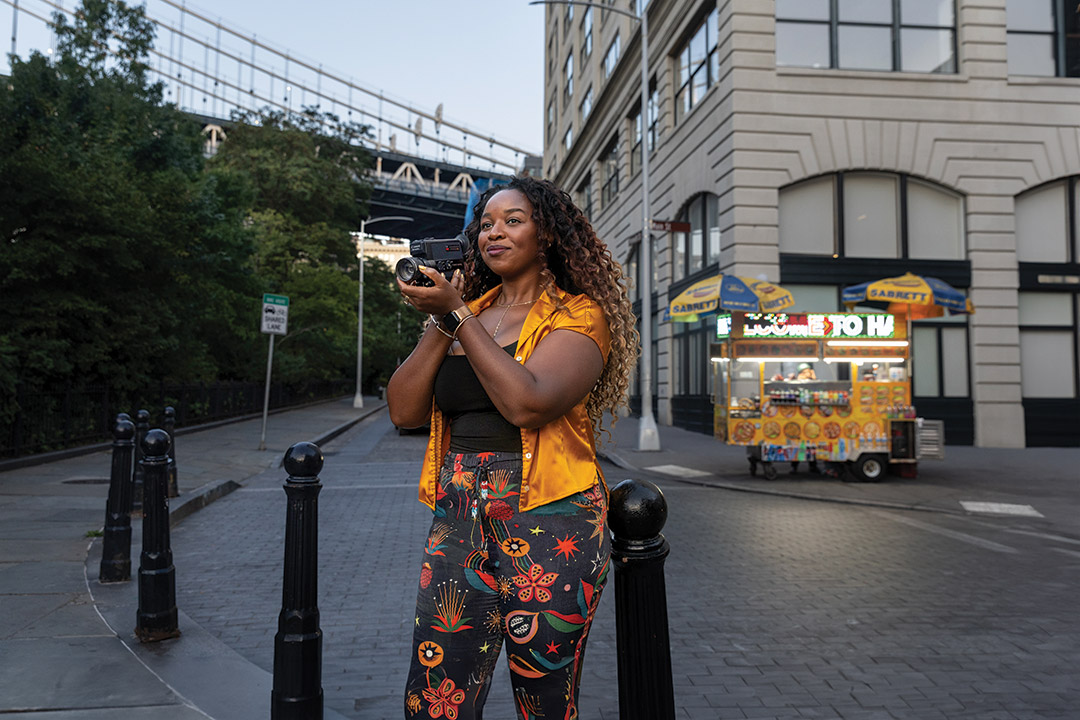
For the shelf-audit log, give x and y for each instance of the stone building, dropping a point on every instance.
(822, 143)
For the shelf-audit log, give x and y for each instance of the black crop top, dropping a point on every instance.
(475, 423)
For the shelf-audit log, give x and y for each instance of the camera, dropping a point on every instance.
(446, 256)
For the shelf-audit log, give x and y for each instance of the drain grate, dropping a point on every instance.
(87, 481)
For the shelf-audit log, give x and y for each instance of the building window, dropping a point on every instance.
(611, 57)
(700, 247)
(586, 104)
(551, 119)
(568, 89)
(568, 17)
(609, 178)
(871, 215)
(939, 358)
(584, 196)
(586, 29)
(1044, 224)
(699, 66)
(691, 368)
(1043, 37)
(907, 35)
(568, 138)
(1047, 345)
(640, 6)
(635, 155)
(553, 48)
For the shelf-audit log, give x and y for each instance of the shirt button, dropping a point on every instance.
(528, 456)
(524, 487)
(518, 358)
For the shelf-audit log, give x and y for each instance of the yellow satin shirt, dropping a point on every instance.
(558, 459)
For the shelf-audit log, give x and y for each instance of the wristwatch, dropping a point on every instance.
(451, 320)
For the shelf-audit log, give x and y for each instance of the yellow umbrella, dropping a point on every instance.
(730, 292)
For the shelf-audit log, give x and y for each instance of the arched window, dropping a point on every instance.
(871, 215)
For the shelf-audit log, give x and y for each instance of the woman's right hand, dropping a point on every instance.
(438, 299)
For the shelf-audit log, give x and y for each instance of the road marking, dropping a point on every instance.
(962, 537)
(993, 508)
(677, 471)
(1044, 536)
(1074, 553)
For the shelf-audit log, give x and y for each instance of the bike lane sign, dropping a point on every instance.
(275, 314)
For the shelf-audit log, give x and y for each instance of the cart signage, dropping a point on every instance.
(723, 327)
(818, 325)
(761, 349)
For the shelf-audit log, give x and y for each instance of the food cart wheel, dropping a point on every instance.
(870, 468)
(768, 470)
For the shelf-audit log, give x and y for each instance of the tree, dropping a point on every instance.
(307, 174)
(123, 261)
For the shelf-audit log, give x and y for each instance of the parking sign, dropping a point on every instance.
(275, 314)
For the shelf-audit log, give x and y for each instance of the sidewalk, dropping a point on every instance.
(66, 642)
(1044, 478)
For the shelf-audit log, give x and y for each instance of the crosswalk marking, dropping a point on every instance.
(677, 471)
(993, 508)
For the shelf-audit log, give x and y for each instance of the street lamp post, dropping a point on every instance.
(648, 437)
(358, 400)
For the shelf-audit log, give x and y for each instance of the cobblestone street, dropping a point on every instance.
(779, 607)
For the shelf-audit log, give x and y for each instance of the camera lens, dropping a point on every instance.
(408, 270)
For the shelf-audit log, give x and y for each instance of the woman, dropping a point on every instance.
(525, 352)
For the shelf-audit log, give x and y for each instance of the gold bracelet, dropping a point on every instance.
(438, 326)
(468, 317)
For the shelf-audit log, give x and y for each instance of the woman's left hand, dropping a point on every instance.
(441, 298)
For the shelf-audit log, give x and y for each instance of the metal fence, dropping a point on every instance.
(46, 421)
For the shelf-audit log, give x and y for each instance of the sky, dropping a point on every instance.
(482, 59)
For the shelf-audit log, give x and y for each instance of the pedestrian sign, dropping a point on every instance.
(275, 314)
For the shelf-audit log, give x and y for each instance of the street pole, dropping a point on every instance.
(266, 393)
(358, 399)
(648, 436)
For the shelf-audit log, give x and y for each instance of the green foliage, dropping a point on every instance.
(128, 259)
(125, 259)
(306, 172)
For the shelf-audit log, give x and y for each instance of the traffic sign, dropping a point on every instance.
(275, 314)
(670, 226)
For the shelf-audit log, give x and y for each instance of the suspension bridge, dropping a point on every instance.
(426, 165)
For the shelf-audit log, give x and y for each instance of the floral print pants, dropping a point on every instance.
(492, 574)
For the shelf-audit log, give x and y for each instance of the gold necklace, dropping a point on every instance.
(503, 316)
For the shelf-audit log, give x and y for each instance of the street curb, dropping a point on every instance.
(618, 461)
(193, 665)
(67, 453)
(334, 432)
(190, 664)
(189, 503)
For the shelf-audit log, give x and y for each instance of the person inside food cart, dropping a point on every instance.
(805, 371)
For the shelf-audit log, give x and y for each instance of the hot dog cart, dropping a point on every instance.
(829, 389)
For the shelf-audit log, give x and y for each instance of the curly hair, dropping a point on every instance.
(575, 260)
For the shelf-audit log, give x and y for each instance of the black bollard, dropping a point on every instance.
(297, 692)
(142, 426)
(116, 541)
(636, 516)
(156, 618)
(170, 427)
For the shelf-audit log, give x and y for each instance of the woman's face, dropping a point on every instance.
(508, 241)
